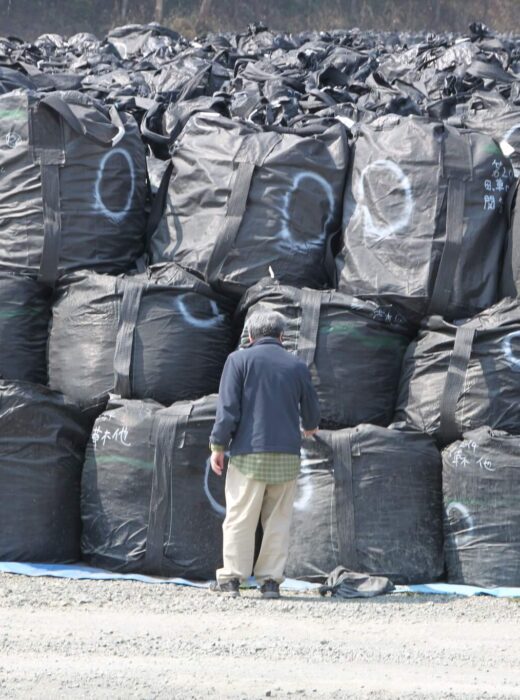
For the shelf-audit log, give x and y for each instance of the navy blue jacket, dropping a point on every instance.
(262, 391)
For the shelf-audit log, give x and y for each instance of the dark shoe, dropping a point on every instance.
(270, 589)
(229, 588)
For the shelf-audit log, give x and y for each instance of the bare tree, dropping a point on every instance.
(159, 11)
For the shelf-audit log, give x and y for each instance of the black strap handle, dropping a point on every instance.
(448, 429)
(344, 498)
(310, 304)
(93, 130)
(235, 210)
(132, 294)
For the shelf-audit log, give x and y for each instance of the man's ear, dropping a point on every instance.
(250, 337)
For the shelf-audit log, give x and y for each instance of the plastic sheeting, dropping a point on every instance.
(73, 186)
(243, 200)
(150, 502)
(42, 443)
(424, 217)
(368, 499)
(25, 313)
(162, 334)
(354, 349)
(460, 376)
(481, 481)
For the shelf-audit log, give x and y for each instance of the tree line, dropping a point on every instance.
(30, 18)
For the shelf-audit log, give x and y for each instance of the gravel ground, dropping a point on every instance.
(114, 639)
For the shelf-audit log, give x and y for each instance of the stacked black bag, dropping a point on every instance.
(353, 348)
(42, 442)
(149, 335)
(150, 502)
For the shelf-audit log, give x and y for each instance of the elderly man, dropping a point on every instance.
(263, 391)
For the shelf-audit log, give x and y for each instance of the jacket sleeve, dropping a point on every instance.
(309, 404)
(229, 404)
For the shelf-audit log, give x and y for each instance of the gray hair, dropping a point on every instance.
(265, 324)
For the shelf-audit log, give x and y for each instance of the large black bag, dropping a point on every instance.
(73, 185)
(25, 313)
(458, 377)
(243, 199)
(162, 334)
(368, 499)
(42, 443)
(481, 483)
(424, 217)
(150, 501)
(354, 349)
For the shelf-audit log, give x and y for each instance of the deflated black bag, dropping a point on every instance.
(424, 217)
(73, 185)
(458, 377)
(243, 199)
(354, 349)
(42, 443)
(481, 482)
(150, 501)
(162, 334)
(25, 313)
(368, 499)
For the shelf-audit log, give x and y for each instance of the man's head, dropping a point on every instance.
(265, 324)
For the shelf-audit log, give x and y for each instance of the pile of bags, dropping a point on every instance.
(156, 192)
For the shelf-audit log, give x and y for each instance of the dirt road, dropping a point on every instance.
(93, 639)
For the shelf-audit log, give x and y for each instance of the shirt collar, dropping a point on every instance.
(265, 341)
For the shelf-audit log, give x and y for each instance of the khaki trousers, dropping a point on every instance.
(248, 500)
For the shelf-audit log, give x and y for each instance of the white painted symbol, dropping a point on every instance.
(219, 509)
(285, 232)
(382, 231)
(199, 322)
(12, 139)
(507, 349)
(116, 216)
(458, 512)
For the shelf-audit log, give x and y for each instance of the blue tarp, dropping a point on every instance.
(81, 571)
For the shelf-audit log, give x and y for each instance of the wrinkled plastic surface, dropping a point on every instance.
(42, 442)
(120, 466)
(481, 481)
(292, 207)
(491, 380)
(395, 217)
(102, 188)
(183, 334)
(358, 353)
(396, 507)
(25, 313)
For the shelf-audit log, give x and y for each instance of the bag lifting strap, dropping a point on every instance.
(168, 428)
(344, 497)
(457, 166)
(310, 304)
(236, 206)
(132, 294)
(448, 430)
(48, 150)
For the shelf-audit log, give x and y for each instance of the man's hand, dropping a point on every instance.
(217, 462)
(310, 433)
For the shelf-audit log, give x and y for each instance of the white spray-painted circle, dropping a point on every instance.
(459, 511)
(370, 228)
(198, 322)
(510, 132)
(285, 232)
(219, 509)
(116, 216)
(507, 349)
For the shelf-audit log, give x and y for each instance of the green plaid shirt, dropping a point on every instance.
(271, 467)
